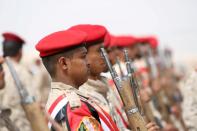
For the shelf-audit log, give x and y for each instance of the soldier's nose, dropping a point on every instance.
(87, 63)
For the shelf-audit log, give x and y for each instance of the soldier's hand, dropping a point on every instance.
(152, 126)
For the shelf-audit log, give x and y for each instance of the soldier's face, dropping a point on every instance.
(78, 68)
(95, 59)
(112, 55)
(132, 50)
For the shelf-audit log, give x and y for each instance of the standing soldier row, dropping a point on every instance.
(83, 94)
(64, 55)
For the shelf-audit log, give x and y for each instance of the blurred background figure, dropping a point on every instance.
(40, 77)
(189, 105)
(6, 123)
(12, 49)
(32, 75)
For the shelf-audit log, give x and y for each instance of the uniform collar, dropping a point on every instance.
(67, 88)
(97, 85)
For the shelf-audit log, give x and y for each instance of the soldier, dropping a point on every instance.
(148, 48)
(12, 48)
(5, 123)
(64, 56)
(121, 42)
(96, 87)
(129, 43)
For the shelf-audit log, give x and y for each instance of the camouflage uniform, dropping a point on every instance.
(96, 90)
(42, 82)
(11, 98)
(74, 98)
(189, 105)
(105, 97)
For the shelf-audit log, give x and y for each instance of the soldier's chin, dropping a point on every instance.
(83, 81)
(104, 71)
(138, 56)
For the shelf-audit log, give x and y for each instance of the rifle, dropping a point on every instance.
(136, 121)
(146, 109)
(133, 81)
(119, 66)
(31, 108)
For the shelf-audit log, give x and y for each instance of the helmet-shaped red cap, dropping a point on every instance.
(153, 42)
(122, 41)
(149, 40)
(8, 36)
(94, 32)
(60, 41)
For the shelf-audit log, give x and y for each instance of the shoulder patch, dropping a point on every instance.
(88, 124)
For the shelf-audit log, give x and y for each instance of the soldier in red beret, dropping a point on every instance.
(12, 49)
(64, 55)
(96, 87)
(119, 43)
(148, 48)
(12, 46)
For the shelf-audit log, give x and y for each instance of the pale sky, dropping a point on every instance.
(173, 21)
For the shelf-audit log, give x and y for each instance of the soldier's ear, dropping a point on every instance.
(63, 63)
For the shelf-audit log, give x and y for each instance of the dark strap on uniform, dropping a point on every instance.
(62, 116)
(93, 112)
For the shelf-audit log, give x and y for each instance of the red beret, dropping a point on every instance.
(150, 40)
(59, 41)
(12, 37)
(107, 40)
(94, 32)
(153, 42)
(122, 41)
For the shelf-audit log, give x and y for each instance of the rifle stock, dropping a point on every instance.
(135, 119)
